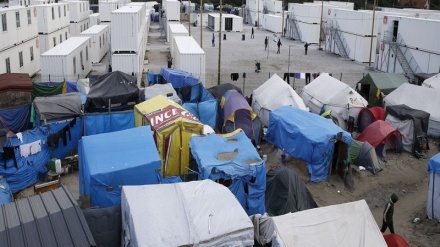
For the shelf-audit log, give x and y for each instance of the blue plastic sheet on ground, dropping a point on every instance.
(99, 123)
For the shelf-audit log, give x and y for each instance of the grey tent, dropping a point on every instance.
(286, 192)
(363, 154)
(57, 106)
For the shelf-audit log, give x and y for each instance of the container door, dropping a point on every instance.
(395, 30)
(228, 24)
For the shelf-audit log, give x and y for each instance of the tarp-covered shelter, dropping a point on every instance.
(217, 92)
(108, 161)
(382, 136)
(195, 98)
(198, 213)
(368, 115)
(328, 93)
(286, 192)
(52, 218)
(57, 107)
(343, 225)
(166, 90)
(272, 94)
(433, 202)
(309, 137)
(83, 86)
(363, 154)
(15, 89)
(173, 127)
(237, 113)
(41, 89)
(374, 86)
(16, 118)
(418, 98)
(432, 82)
(105, 122)
(116, 90)
(412, 124)
(233, 160)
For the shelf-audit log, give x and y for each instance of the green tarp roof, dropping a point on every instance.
(386, 82)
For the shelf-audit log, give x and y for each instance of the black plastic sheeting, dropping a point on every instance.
(404, 112)
(286, 192)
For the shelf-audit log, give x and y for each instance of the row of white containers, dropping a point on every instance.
(99, 36)
(26, 31)
(79, 10)
(172, 10)
(229, 22)
(76, 28)
(107, 7)
(69, 60)
(273, 23)
(52, 17)
(94, 19)
(174, 30)
(128, 28)
(308, 17)
(189, 56)
(50, 40)
(30, 55)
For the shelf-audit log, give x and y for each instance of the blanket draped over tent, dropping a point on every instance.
(47, 89)
(433, 202)
(233, 157)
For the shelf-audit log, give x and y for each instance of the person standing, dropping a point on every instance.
(279, 45)
(308, 76)
(266, 41)
(213, 39)
(252, 33)
(388, 213)
(306, 46)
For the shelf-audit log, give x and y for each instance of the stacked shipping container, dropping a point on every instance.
(53, 24)
(99, 35)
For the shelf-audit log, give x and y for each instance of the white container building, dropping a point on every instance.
(76, 28)
(99, 35)
(21, 58)
(172, 10)
(52, 17)
(208, 6)
(230, 23)
(188, 56)
(128, 28)
(50, 40)
(273, 6)
(305, 19)
(29, 2)
(106, 7)
(79, 11)
(129, 63)
(69, 60)
(196, 16)
(273, 23)
(94, 19)
(174, 30)
(191, 8)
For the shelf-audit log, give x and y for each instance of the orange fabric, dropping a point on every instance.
(395, 240)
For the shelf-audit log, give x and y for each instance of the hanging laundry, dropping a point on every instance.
(303, 75)
(234, 76)
(298, 75)
(9, 153)
(35, 147)
(52, 140)
(315, 75)
(20, 137)
(286, 78)
(72, 123)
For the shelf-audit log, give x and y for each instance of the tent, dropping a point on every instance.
(286, 192)
(374, 86)
(309, 137)
(41, 89)
(238, 114)
(233, 160)
(173, 127)
(395, 240)
(198, 213)
(363, 154)
(115, 90)
(343, 225)
(83, 86)
(196, 99)
(16, 118)
(412, 124)
(105, 122)
(418, 98)
(433, 202)
(272, 94)
(57, 107)
(432, 82)
(166, 90)
(15, 89)
(217, 92)
(369, 115)
(328, 93)
(382, 136)
(108, 161)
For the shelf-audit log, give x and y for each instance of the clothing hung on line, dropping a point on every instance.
(52, 140)
(234, 76)
(9, 153)
(30, 148)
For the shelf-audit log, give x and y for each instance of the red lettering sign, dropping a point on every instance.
(159, 119)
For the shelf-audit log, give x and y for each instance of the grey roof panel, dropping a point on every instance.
(42, 221)
(27, 219)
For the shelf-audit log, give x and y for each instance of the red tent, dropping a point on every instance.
(369, 115)
(382, 136)
(395, 240)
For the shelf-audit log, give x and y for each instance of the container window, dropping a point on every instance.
(20, 58)
(54, 42)
(29, 16)
(4, 23)
(87, 53)
(100, 42)
(8, 65)
(74, 65)
(81, 58)
(31, 51)
(64, 10)
(53, 13)
(59, 11)
(61, 38)
(65, 35)
(17, 19)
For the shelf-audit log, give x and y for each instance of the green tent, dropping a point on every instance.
(363, 154)
(374, 85)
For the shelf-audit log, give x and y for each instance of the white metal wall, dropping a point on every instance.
(192, 62)
(30, 67)
(77, 28)
(273, 6)
(196, 16)
(47, 22)
(255, 5)
(172, 10)
(106, 8)
(14, 35)
(273, 23)
(214, 22)
(95, 19)
(79, 11)
(176, 29)
(46, 41)
(128, 28)
(99, 35)
(131, 64)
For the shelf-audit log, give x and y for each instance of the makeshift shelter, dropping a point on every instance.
(232, 160)
(105, 225)
(105, 122)
(286, 192)
(368, 115)
(115, 90)
(40, 89)
(432, 82)
(374, 86)
(272, 94)
(363, 154)
(16, 118)
(173, 127)
(413, 125)
(83, 86)
(217, 92)
(15, 89)
(198, 213)
(238, 114)
(418, 98)
(433, 202)
(328, 93)
(343, 225)
(309, 137)
(382, 136)
(195, 98)
(52, 218)
(166, 90)
(57, 107)
(109, 161)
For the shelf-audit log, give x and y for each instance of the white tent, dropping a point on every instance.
(272, 94)
(432, 82)
(199, 213)
(419, 98)
(349, 224)
(332, 94)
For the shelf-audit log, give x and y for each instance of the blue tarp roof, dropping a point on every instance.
(178, 78)
(305, 136)
(241, 169)
(434, 164)
(108, 161)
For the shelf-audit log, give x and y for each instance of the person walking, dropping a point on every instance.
(213, 39)
(252, 33)
(306, 46)
(388, 213)
(266, 41)
(279, 45)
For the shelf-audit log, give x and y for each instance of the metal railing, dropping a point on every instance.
(403, 54)
(340, 41)
(294, 32)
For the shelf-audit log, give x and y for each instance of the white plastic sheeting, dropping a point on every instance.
(349, 224)
(199, 213)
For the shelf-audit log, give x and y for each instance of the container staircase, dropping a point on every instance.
(294, 31)
(404, 56)
(340, 41)
(249, 16)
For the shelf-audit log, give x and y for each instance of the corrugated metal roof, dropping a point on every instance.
(49, 219)
(188, 45)
(66, 47)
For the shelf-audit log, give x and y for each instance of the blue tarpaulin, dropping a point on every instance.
(153, 78)
(109, 161)
(98, 123)
(71, 86)
(16, 118)
(5, 192)
(179, 78)
(242, 165)
(434, 164)
(305, 136)
(75, 127)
